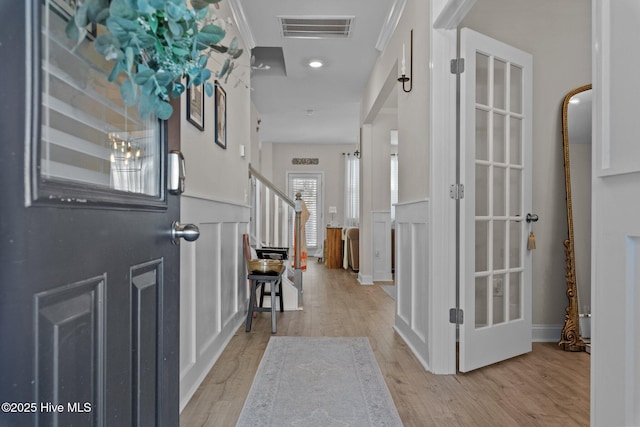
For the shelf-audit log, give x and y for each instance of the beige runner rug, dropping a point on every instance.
(307, 382)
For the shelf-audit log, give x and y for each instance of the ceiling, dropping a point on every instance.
(300, 104)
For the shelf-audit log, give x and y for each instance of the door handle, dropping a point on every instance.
(177, 171)
(532, 217)
(188, 232)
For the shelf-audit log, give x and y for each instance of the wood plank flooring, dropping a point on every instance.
(547, 387)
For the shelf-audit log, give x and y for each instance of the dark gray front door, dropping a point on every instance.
(89, 279)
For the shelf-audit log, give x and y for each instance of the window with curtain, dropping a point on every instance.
(394, 185)
(351, 191)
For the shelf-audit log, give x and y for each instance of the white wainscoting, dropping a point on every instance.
(381, 230)
(412, 277)
(213, 286)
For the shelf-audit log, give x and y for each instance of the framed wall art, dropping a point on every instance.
(220, 115)
(195, 106)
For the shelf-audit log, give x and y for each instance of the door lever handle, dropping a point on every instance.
(532, 217)
(188, 232)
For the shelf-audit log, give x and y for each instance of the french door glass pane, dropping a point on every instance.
(515, 244)
(482, 190)
(499, 138)
(87, 134)
(515, 192)
(499, 84)
(515, 141)
(482, 246)
(482, 79)
(499, 191)
(481, 302)
(498, 298)
(499, 245)
(482, 135)
(515, 296)
(516, 89)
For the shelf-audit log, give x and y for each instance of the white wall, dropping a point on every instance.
(413, 107)
(213, 275)
(558, 36)
(330, 161)
(213, 172)
(386, 120)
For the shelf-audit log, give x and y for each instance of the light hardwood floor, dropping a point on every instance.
(547, 387)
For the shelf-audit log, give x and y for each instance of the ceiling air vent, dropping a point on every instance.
(316, 26)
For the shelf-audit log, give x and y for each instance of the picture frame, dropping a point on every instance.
(195, 106)
(220, 97)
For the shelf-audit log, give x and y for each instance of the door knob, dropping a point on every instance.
(532, 217)
(188, 232)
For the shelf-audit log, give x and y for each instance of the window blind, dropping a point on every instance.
(309, 189)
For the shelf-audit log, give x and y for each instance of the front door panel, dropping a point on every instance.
(89, 279)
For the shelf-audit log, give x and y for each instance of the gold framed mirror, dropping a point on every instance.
(576, 143)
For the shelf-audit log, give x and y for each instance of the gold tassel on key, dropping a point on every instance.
(531, 245)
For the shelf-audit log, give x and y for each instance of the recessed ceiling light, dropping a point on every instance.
(315, 64)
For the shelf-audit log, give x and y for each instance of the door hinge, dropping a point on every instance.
(457, 66)
(456, 315)
(456, 191)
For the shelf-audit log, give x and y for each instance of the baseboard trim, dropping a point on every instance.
(365, 279)
(388, 277)
(186, 397)
(546, 333)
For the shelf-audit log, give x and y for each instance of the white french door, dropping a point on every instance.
(310, 186)
(495, 117)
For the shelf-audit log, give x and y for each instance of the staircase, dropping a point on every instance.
(275, 220)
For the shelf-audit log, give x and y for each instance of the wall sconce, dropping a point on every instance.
(403, 78)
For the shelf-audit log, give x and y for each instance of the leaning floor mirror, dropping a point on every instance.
(576, 131)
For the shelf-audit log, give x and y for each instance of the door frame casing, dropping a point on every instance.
(442, 221)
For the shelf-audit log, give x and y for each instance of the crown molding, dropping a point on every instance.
(390, 24)
(452, 14)
(243, 25)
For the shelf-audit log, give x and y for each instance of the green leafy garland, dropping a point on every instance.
(154, 44)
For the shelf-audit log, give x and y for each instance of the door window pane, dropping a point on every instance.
(482, 135)
(515, 89)
(515, 192)
(499, 84)
(498, 299)
(87, 134)
(499, 245)
(499, 138)
(515, 141)
(515, 296)
(482, 79)
(515, 244)
(482, 190)
(482, 246)
(481, 305)
(499, 191)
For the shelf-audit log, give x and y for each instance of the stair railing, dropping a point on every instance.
(273, 214)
